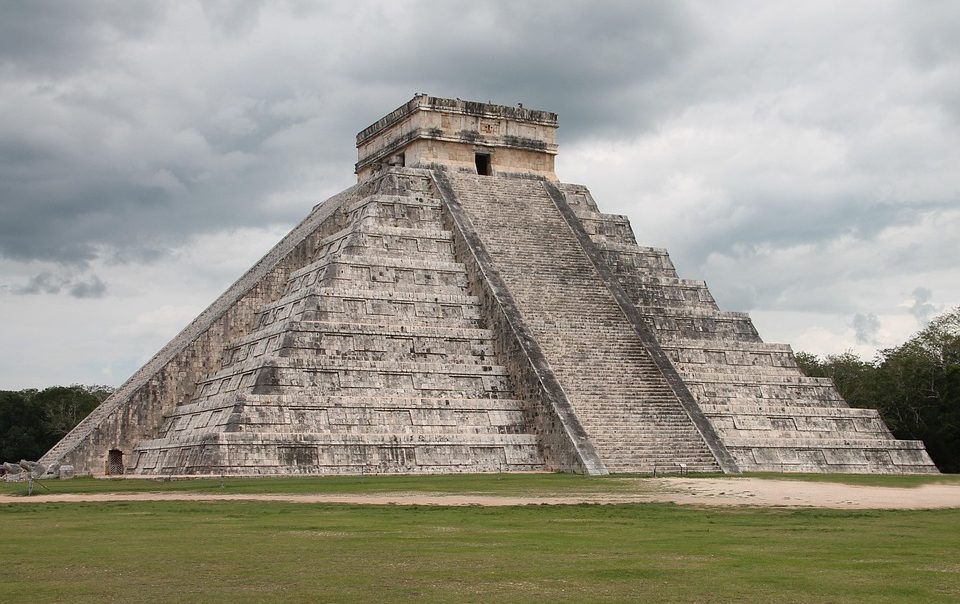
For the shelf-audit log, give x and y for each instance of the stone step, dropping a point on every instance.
(360, 438)
(638, 280)
(384, 262)
(348, 421)
(364, 457)
(578, 324)
(392, 200)
(391, 306)
(372, 239)
(814, 398)
(326, 401)
(275, 336)
(634, 249)
(612, 226)
(758, 379)
(331, 298)
(743, 374)
(310, 376)
(837, 468)
(825, 443)
(788, 410)
(803, 435)
(317, 335)
(327, 364)
(726, 347)
(752, 392)
(410, 215)
(671, 312)
(865, 456)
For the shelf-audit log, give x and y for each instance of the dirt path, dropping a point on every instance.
(683, 491)
(795, 493)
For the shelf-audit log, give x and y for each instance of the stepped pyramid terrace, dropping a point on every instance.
(460, 309)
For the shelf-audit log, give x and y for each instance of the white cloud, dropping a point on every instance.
(60, 339)
(801, 158)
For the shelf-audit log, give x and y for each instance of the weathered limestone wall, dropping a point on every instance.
(428, 153)
(431, 131)
(374, 360)
(652, 348)
(631, 415)
(769, 416)
(136, 410)
(433, 319)
(564, 443)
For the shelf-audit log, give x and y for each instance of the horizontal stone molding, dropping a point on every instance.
(141, 379)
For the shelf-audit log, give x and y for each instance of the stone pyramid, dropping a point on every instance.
(460, 310)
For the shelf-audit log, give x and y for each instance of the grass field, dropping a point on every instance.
(256, 551)
(252, 551)
(490, 484)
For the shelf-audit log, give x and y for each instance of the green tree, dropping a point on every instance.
(918, 390)
(21, 426)
(63, 408)
(914, 386)
(855, 378)
(810, 364)
(32, 421)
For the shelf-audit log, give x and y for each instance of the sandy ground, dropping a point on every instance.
(683, 491)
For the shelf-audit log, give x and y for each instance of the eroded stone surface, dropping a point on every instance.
(768, 414)
(458, 310)
(429, 132)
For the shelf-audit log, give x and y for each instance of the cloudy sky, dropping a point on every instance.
(803, 158)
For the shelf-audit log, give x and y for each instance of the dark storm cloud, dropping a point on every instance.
(603, 71)
(112, 160)
(800, 157)
(930, 35)
(767, 275)
(787, 222)
(94, 288)
(866, 327)
(921, 307)
(931, 40)
(50, 38)
(126, 130)
(230, 17)
(44, 283)
(48, 283)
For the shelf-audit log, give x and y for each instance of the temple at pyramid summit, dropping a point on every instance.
(459, 309)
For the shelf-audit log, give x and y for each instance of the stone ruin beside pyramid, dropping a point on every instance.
(461, 310)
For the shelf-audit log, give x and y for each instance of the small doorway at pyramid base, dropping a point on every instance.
(114, 462)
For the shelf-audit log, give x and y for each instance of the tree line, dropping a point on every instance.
(914, 386)
(32, 421)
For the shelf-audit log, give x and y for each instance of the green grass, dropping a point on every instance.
(257, 551)
(487, 484)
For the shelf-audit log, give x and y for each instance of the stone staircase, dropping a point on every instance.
(373, 360)
(769, 415)
(372, 339)
(632, 416)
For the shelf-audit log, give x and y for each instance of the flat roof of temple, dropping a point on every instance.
(423, 102)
